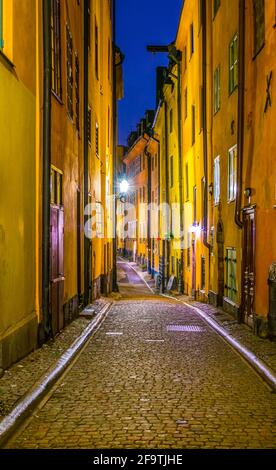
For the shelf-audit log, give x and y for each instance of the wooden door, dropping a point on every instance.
(56, 269)
(249, 235)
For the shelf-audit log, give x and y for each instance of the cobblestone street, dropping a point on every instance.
(155, 376)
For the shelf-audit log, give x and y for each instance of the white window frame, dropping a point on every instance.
(232, 174)
(233, 64)
(217, 180)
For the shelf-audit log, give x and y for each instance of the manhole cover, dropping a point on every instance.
(191, 328)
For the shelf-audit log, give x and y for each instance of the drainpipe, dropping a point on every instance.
(167, 242)
(114, 274)
(241, 40)
(204, 123)
(45, 328)
(85, 147)
(149, 212)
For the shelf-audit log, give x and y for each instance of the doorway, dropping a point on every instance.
(249, 240)
(56, 268)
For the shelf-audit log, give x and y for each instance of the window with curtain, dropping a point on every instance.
(232, 173)
(216, 180)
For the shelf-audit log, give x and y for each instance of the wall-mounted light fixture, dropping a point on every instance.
(248, 194)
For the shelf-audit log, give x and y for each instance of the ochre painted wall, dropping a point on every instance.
(18, 307)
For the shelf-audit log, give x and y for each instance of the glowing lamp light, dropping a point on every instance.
(196, 229)
(124, 187)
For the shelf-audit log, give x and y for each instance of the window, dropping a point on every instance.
(203, 182)
(217, 180)
(203, 271)
(144, 194)
(231, 269)
(216, 6)
(137, 164)
(232, 173)
(171, 171)
(99, 220)
(96, 50)
(201, 124)
(192, 43)
(259, 25)
(97, 139)
(193, 124)
(56, 187)
(55, 45)
(195, 203)
(69, 47)
(185, 103)
(89, 125)
(200, 13)
(233, 64)
(187, 181)
(77, 92)
(217, 89)
(185, 58)
(171, 120)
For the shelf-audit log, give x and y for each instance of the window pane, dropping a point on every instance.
(259, 25)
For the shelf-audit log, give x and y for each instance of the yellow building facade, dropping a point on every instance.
(57, 101)
(19, 161)
(227, 179)
(258, 168)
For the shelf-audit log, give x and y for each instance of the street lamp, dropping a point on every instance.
(124, 185)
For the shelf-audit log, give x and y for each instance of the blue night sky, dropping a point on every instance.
(139, 23)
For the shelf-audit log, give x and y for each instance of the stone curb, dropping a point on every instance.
(267, 374)
(26, 405)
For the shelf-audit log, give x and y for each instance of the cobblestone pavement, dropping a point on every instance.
(155, 376)
(265, 349)
(19, 378)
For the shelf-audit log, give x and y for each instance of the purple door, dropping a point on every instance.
(56, 269)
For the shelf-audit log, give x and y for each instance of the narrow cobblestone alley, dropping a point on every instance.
(155, 376)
